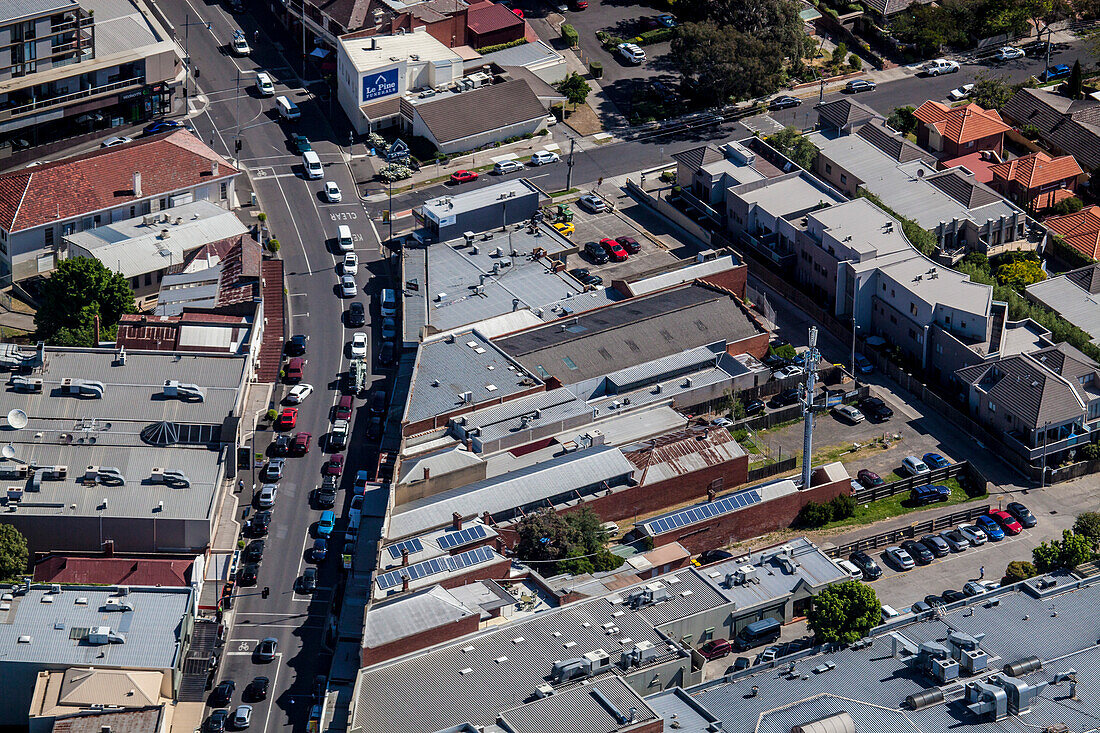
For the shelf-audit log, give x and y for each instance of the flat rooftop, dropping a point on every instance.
(791, 195)
(861, 226)
(938, 285)
(415, 613)
(374, 52)
(56, 626)
(461, 203)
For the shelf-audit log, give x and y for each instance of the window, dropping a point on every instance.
(843, 178)
(963, 324)
(892, 293)
(163, 204)
(828, 167)
(224, 190)
(992, 407)
(135, 282)
(133, 211)
(947, 320)
(912, 334)
(913, 308)
(47, 236)
(893, 319)
(569, 362)
(884, 287)
(148, 279)
(3, 247)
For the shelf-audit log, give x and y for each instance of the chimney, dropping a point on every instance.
(108, 548)
(427, 473)
(711, 493)
(404, 557)
(104, 729)
(96, 327)
(214, 168)
(404, 583)
(137, 183)
(456, 521)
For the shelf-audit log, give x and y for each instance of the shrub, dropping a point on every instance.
(1019, 570)
(1031, 132)
(1091, 452)
(273, 246)
(595, 68)
(786, 351)
(569, 35)
(843, 506)
(668, 176)
(272, 413)
(1068, 206)
(394, 172)
(657, 35)
(815, 514)
(855, 62)
(502, 46)
(261, 217)
(376, 141)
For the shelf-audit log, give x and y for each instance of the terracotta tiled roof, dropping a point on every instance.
(961, 124)
(240, 273)
(1047, 199)
(1081, 230)
(103, 179)
(113, 571)
(1037, 169)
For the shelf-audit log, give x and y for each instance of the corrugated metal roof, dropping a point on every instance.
(413, 614)
(581, 709)
(682, 452)
(15, 9)
(682, 275)
(1070, 301)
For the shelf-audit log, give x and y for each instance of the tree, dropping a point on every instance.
(843, 506)
(1073, 550)
(772, 21)
(840, 54)
(902, 119)
(1018, 570)
(1075, 82)
(1020, 273)
(571, 543)
(797, 148)
(1088, 525)
(80, 289)
(1068, 206)
(575, 89)
(815, 514)
(720, 63)
(13, 552)
(844, 612)
(991, 91)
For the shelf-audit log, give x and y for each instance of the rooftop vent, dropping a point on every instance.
(183, 391)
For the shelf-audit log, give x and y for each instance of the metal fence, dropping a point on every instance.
(916, 529)
(864, 495)
(772, 469)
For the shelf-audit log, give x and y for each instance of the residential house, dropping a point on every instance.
(1074, 295)
(1080, 230)
(954, 131)
(1065, 126)
(884, 10)
(41, 205)
(1044, 404)
(1037, 181)
(492, 24)
(844, 115)
(327, 20)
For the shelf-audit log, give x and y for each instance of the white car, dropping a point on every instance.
(266, 499)
(914, 466)
(631, 53)
(348, 288)
(974, 535)
(359, 344)
(332, 192)
(264, 85)
(543, 157)
(941, 66)
(298, 393)
(242, 717)
(722, 422)
(960, 93)
(551, 120)
(507, 166)
(849, 413)
(1007, 53)
(113, 141)
(791, 370)
(240, 45)
(350, 265)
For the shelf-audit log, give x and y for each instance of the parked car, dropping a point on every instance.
(955, 540)
(784, 101)
(784, 398)
(308, 582)
(722, 422)
(343, 408)
(593, 203)
(889, 613)
(596, 253)
(463, 176)
(914, 466)
(1022, 514)
(266, 498)
(929, 494)
(630, 244)
(507, 166)
(935, 460)
(1008, 53)
(614, 250)
(631, 53)
(292, 373)
(709, 557)
(1006, 521)
(585, 276)
(974, 535)
(933, 600)
(754, 407)
(375, 428)
(357, 315)
(387, 354)
(326, 523)
(992, 530)
(266, 649)
(334, 466)
(242, 717)
(958, 94)
(875, 409)
(319, 551)
(378, 401)
(257, 689)
(952, 596)
(791, 370)
(281, 445)
(113, 141)
(850, 413)
(287, 418)
(974, 588)
(545, 157)
(323, 497)
(869, 478)
(258, 525)
(918, 552)
(920, 607)
(899, 558)
(332, 192)
(254, 551)
(866, 565)
(1060, 71)
(666, 21)
(863, 365)
(739, 664)
(223, 693)
(936, 545)
(298, 393)
(160, 126)
(716, 649)
(941, 66)
(300, 445)
(855, 86)
(296, 346)
(849, 569)
(565, 228)
(358, 344)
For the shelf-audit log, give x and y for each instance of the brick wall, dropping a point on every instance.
(756, 345)
(732, 280)
(419, 640)
(752, 521)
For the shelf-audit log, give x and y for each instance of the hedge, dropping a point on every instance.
(1072, 256)
(657, 35)
(502, 46)
(569, 35)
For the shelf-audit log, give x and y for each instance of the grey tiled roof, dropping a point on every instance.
(1087, 278)
(1026, 389)
(480, 110)
(844, 112)
(700, 156)
(964, 188)
(893, 144)
(1070, 126)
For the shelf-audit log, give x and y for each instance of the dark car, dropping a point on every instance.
(223, 693)
(281, 445)
(300, 446)
(296, 346)
(585, 276)
(713, 556)
(875, 409)
(786, 397)
(357, 315)
(783, 102)
(258, 525)
(716, 649)
(935, 460)
(323, 498)
(344, 407)
(319, 551)
(257, 689)
(334, 466)
(378, 401)
(630, 244)
(216, 722)
(936, 545)
(859, 85)
(739, 664)
(386, 355)
(300, 143)
(933, 600)
(161, 126)
(595, 252)
(921, 495)
(1022, 514)
(952, 596)
(775, 361)
(374, 429)
(308, 582)
(1060, 71)
(254, 551)
(247, 575)
(920, 607)
(754, 407)
(866, 564)
(918, 552)
(869, 478)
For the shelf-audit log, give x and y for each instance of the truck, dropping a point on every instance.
(359, 375)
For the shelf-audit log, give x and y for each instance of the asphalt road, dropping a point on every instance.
(305, 225)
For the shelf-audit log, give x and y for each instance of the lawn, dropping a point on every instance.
(895, 506)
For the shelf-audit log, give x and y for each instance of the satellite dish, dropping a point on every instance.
(8, 451)
(17, 419)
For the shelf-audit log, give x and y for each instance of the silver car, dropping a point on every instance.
(955, 540)
(348, 288)
(266, 499)
(242, 717)
(899, 558)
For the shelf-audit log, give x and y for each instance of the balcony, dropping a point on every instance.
(65, 99)
(1072, 436)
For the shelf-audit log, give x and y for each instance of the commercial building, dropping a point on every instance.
(1066, 126)
(75, 699)
(133, 447)
(70, 69)
(326, 22)
(41, 205)
(106, 568)
(536, 57)
(492, 24)
(48, 628)
(481, 210)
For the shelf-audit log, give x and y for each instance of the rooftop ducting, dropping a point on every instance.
(184, 391)
(20, 383)
(117, 604)
(1023, 666)
(83, 387)
(107, 475)
(837, 723)
(99, 635)
(986, 701)
(924, 698)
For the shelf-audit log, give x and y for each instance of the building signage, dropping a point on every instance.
(380, 84)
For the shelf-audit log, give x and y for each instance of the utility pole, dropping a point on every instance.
(238, 95)
(811, 360)
(390, 212)
(569, 169)
(855, 295)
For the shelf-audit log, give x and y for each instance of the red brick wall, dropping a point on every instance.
(657, 496)
(732, 280)
(756, 345)
(752, 521)
(485, 572)
(419, 640)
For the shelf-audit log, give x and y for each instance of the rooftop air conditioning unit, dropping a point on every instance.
(26, 384)
(117, 604)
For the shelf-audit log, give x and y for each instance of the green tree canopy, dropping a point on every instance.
(771, 21)
(844, 612)
(792, 144)
(1088, 525)
(1020, 273)
(570, 543)
(1073, 550)
(1075, 82)
(1019, 570)
(78, 290)
(903, 120)
(991, 91)
(721, 63)
(575, 88)
(13, 552)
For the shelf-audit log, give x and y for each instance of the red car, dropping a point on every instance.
(1007, 521)
(287, 418)
(464, 176)
(630, 244)
(580, 4)
(716, 649)
(334, 466)
(300, 446)
(614, 250)
(518, 12)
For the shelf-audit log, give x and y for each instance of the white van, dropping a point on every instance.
(343, 238)
(389, 303)
(264, 85)
(288, 109)
(850, 569)
(312, 164)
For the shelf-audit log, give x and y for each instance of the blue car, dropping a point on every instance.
(935, 460)
(863, 365)
(327, 521)
(991, 528)
(1060, 71)
(161, 126)
(320, 549)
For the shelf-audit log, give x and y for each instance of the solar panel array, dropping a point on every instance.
(701, 513)
(412, 546)
(462, 537)
(434, 566)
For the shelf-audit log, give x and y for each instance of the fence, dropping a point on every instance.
(1076, 470)
(902, 485)
(904, 533)
(772, 469)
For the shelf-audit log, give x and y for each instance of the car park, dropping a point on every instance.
(308, 582)
(849, 413)
(958, 94)
(332, 192)
(849, 569)
(216, 722)
(899, 558)
(914, 466)
(955, 540)
(974, 535)
(287, 418)
(869, 478)
(614, 250)
(298, 393)
(875, 409)
(784, 101)
(855, 86)
(319, 551)
(565, 228)
(936, 545)
(992, 530)
(1060, 71)
(545, 157)
(357, 315)
(866, 565)
(300, 444)
(463, 176)
(254, 551)
(784, 398)
(630, 244)
(266, 649)
(358, 344)
(507, 166)
(716, 649)
(918, 552)
(257, 689)
(1008, 53)
(929, 494)
(266, 498)
(630, 53)
(1006, 521)
(596, 253)
(223, 693)
(941, 66)
(1024, 516)
(935, 460)
(258, 525)
(592, 203)
(348, 289)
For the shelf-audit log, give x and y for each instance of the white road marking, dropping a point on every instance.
(274, 683)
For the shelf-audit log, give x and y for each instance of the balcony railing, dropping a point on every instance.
(1080, 436)
(40, 104)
